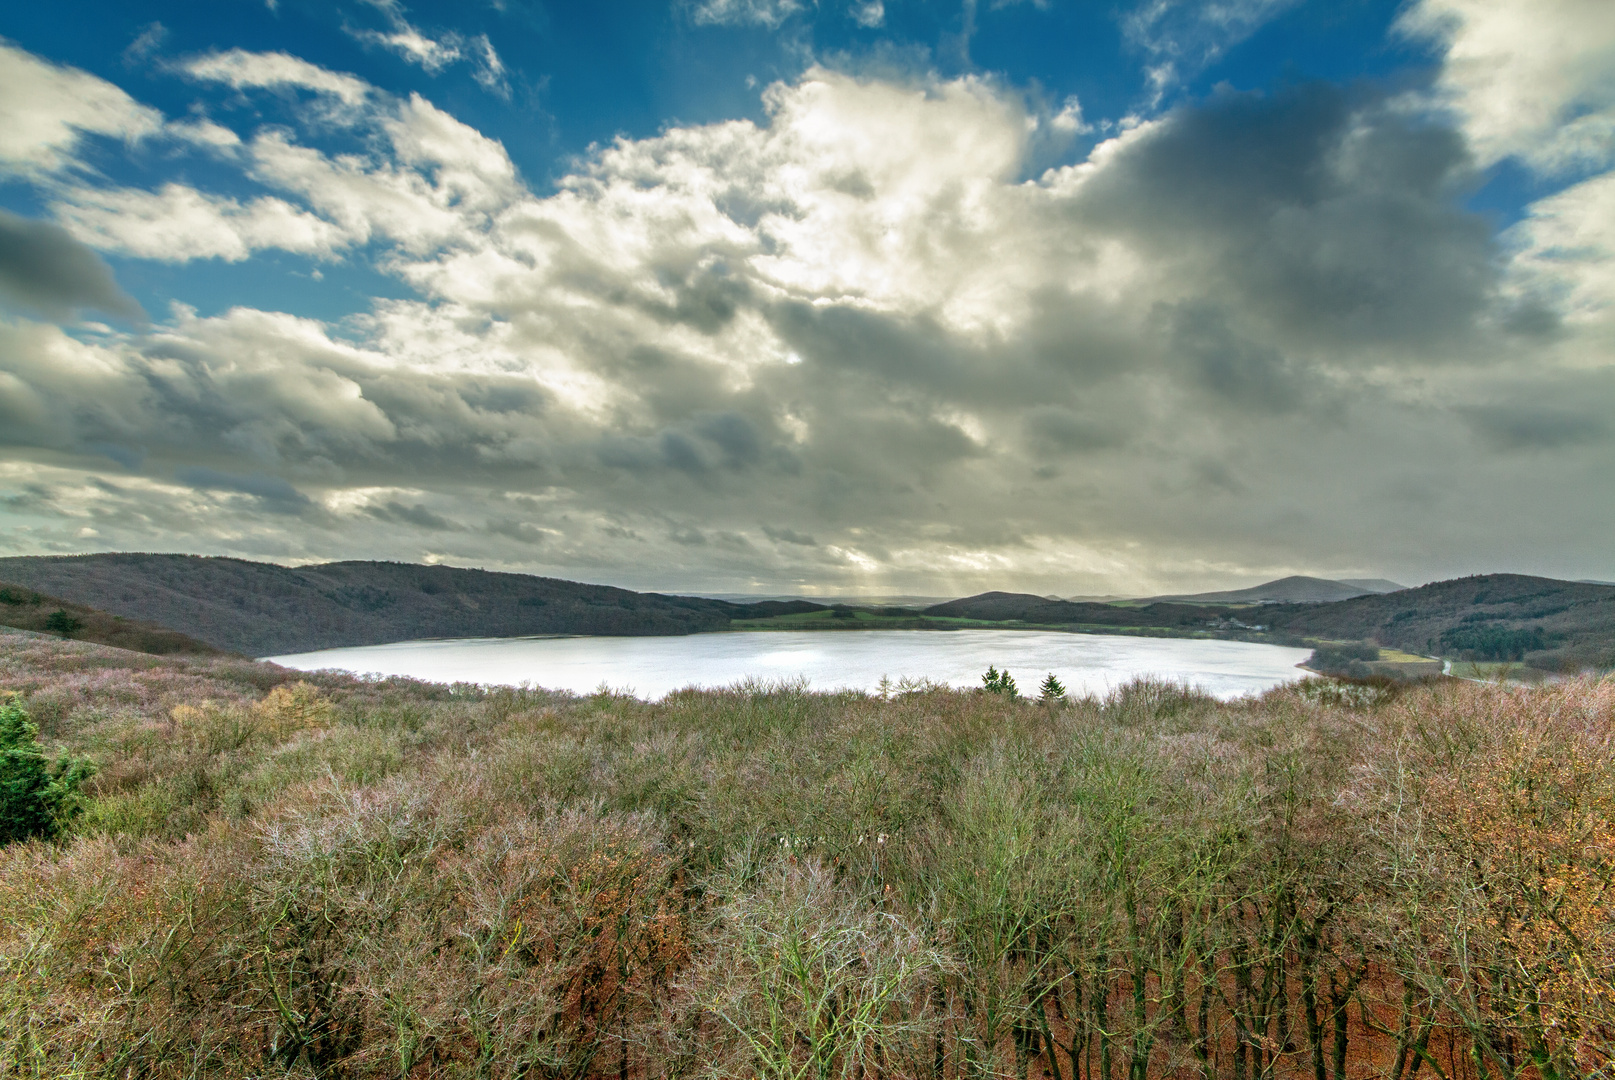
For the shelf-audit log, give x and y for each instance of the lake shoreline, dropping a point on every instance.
(652, 667)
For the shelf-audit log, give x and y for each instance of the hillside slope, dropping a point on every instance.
(1550, 624)
(262, 609)
(26, 609)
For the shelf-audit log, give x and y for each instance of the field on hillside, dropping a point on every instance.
(282, 875)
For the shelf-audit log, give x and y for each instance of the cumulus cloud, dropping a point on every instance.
(1257, 334)
(435, 180)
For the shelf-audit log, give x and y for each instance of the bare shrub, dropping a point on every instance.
(808, 978)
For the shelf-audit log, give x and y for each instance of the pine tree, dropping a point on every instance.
(999, 682)
(1052, 689)
(62, 623)
(35, 795)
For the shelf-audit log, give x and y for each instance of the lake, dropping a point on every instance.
(650, 667)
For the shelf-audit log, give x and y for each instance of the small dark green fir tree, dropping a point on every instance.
(998, 682)
(1052, 689)
(36, 795)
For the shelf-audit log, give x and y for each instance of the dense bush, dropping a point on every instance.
(307, 876)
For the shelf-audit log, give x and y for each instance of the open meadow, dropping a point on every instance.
(277, 874)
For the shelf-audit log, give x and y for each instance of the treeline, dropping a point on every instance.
(1494, 642)
(345, 878)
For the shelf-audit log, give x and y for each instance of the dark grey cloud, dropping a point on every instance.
(129, 457)
(789, 536)
(1247, 374)
(44, 268)
(273, 493)
(1337, 217)
(1054, 429)
(1524, 426)
(523, 532)
(417, 515)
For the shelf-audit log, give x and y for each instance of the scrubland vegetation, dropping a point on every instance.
(281, 875)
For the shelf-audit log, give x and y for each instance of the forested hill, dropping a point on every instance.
(262, 610)
(1549, 623)
(1553, 625)
(1024, 607)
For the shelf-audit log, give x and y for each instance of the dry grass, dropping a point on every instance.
(289, 875)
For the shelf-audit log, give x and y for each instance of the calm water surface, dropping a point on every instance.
(650, 667)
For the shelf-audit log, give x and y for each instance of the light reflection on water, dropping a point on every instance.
(650, 667)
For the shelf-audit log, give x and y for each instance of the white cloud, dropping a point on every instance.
(869, 13)
(244, 70)
(769, 13)
(47, 109)
(431, 54)
(435, 186)
(1182, 37)
(204, 133)
(178, 223)
(434, 54)
(1565, 257)
(1529, 78)
(441, 182)
(490, 70)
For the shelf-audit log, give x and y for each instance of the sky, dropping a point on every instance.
(834, 298)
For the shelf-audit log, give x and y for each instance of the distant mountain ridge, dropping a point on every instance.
(1296, 589)
(263, 609)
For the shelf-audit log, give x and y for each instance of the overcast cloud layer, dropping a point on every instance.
(868, 343)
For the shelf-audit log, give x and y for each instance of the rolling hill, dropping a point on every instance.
(1548, 623)
(262, 609)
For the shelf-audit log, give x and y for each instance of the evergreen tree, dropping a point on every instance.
(998, 682)
(62, 623)
(35, 795)
(1052, 689)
